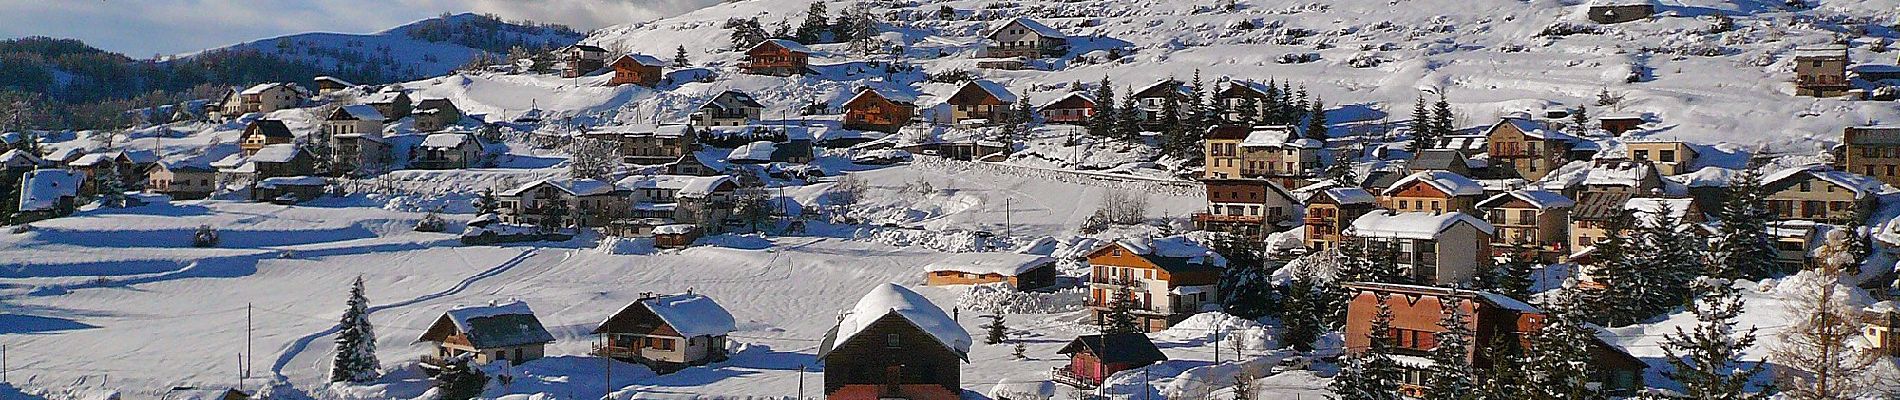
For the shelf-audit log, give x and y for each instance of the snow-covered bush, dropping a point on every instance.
(1365, 60)
(430, 223)
(205, 237)
(999, 298)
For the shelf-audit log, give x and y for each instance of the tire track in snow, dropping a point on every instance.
(296, 347)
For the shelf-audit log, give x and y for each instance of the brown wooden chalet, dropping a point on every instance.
(666, 333)
(980, 99)
(495, 332)
(1165, 289)
(894, 344)
(263, 132)
(777, 57)
(1094, 358)
(1074, 108)
(637, 69)
(876, 110)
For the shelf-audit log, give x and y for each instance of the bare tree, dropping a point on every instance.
(593, 158)
(1817, 361)
(848, 191)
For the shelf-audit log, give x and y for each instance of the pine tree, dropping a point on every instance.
(1514, 277)
(1316, 120)
(1506, 377)
(1301, 317)
(1353, 262)
(1559, 358)
(1707, 361)
(110, 187)
(1341, 168)
(817, 22)
(1196, 107)
(1017, 351)
(1452, 375)
(458, 380)
(1120, 317)
(1102, 123)
(355, 341)
(1370, 373)
(1743, 247)
(679, 57)
(1217, 109)
(995, 332)
(487, 203)
(1580, 121)
(1674, 260)
(1617, 268)
(1442, 124)
(1424, 136)
(1173, 132)
(1246, 285)
(1128, 119)
(1248, 111)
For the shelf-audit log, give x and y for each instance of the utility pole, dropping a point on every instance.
(240, 372)
(248, 357)
(801, 381)
(609, 357)
(1216, 344)
(1008, 229)
(3, 363)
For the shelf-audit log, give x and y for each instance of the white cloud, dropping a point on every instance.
(142, 28)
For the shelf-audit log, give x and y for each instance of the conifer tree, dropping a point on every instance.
(1707, 360)
(110, 187)
(679, 57)
(996, 331)
(1196, 106)
(1128, 124)
(1341, 168)
(1559, 359)
(1506, 377)
(460, 381)
(1103, 121)
(1354, 264)
(1120, 317)
(1617, 268)
(1246, 285)
(1316, 120)
(355, 341)
(1675, 258)
(1289, 112)
(1301, 317)
(1514, 277)
(1452, 375)
(1247, 111)
(1442, 124)
(1580, 121)
(1424, 136)
(1743, 247)
(817, 22)
(1272, 104)
(1370, 373)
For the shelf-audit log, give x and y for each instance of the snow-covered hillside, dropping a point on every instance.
(423, 48)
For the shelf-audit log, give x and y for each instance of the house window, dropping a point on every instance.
(891, 341)
(1667, 155)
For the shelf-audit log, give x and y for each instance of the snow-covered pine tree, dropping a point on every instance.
(1128, 118)
(1271, 104)
(1316, 120)
(1370, 373)
(1423, 135)
(1384, 260)
(1195, 107)
(1340, 169)
(1452, 375)
(1815, 351)
(1216, 109)
(996, 331)
(1505, 377)
(110, 187)
(1354, 264)
(1247, 111)
(1580, 121)
(1289, 109)
(1173, 131)
(1743, 248)
(1514, 277)
(817, 23)
(1707, 360)
(355, 341)
(1301, 317)
(1102, 123)
(1442, 120)
(1246, 285)
(679, 57)
(1558, 362)
(487, 203)
(458, 380)
(1616, 268)
(1675, 258)
(1120, 317)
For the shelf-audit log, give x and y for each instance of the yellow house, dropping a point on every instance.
(1872, 151)
(1883, 327)
(1669, 157)
(1526, 146)
(1432, 192)
(1817, 193)
(1535, 222)
(1221, 151)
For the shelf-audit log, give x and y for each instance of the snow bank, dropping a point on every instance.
(1251, 336)
(999, 298)
(625, 246)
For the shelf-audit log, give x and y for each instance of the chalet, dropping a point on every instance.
(1246, 207)
(653, 145)
(581, 59)
(353, 119)
(1821, 71)
(1165, 288)
(1620, 123)
(1527, 147)
(281, 160)
(18, 161)
(1027, 38)
(434, 114)
(1619, 11)
(264, 132)
(706, 201)
(1094, 358)
(1432, 248)
(289, 189)
(495, 332)
(329, 84)
(1639, 178)
(980, 100)
(777, 57)
(894, 344)
(355, 135)
(1018, 271)
(1281, 154)
(962, 150)
(1530, 222)
(1595, 209)
(393, 102)
(47, 193)
(452, 150)
(181, 180)
(1244, 101)
(877, 110)
(564, 202)
(1433, 192)
(129, 165)
(1446, 160)
(690, 164)
(262, 98)
(1222, 151)
(1668, 157)
(1327, 212)
(728, 108)
(1072, 108)
(654, 196)
(637, 69)
(1817, 193)
(1872, 151)
(1882, 330)
(666, 333)
(1492, 318)
(758, 152)
(1151, 100)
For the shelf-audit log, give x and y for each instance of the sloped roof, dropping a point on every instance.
(1157, 89)
(1031, 25)
(18, 157)
(1133, 348)
(1620, 173)
(732, 99)
(787, 44)
(445, 140)
(1271, 136)
(1541, 199)
(759, 151)
(1084, 97)
(333, 79)
(277, 153)
(887, 299)
(888, 95)
(42, 188)
(704, 185)
(1349, 195)
(269, 128)
(1439, 159)
(669, 182)
(1450, 183)
(575, 187)
(1535, 129)
(498, 325)
(645, 60)
(1005, 264)
(995, 90)
(360, 112)
(692, 315)
(292, 181)
(1228, 132)
(263, 87)
(1599, 205)
(1413, 225)
(1861, 185)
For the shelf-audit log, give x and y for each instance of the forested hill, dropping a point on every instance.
(89, 86)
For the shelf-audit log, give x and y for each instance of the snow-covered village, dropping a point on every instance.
(950, 199)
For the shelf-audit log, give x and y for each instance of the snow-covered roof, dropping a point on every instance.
(1031, 25)
(1623, 173)
(1413, 225)
(499, 325)
(760, 151)
(445, 140)
(995, 89)
(263, 87)
(18, 157)
(1828, 50)
(1644, 206)
(140, 156)
(333, 79)
(702, 186)
(42, 188)
(276, 153)
(664, 130)
(362, 112)
(787, 44)
(732, 99)
(292, 181)
(692, 315)
(1350, 195)
(646, 60)
(576, 187)
(1450, 183)
(94, 159)
(1065, 97)
(230, 161)
(674, 229)
(385, 97)
(890, 95)
(889, 299)
(1270, 136)
(1005, 264)
(65, 154)
(669, 182)
(1541, 199)
(1535, 129)
(1861, 185)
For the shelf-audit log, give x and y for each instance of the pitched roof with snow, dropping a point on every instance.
(1450, 183)
(1083, 98)
(1540, 199)
(887, 299)
(42, 188)
(645, 60)
(1413, 225)
(445, 140)
(1349, 195)
(575, 187)
(669, 182)
(360, 112)
(888, 95)
(692, 315)
(1534, 129)
(1620, 173)
(786, 44)
(269, 128)
(1270, 136)
(277, 153)
(1861, 185)
(703, 186)
(332, 79)
(996, 90)
(1005, 264)
(18, 157)
(95, 159)
(759, 151)
(1032, 26)
(497, 325)
(731, 100)
(1130, 348)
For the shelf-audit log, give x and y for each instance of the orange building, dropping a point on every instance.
(876, 110)
(637, 69)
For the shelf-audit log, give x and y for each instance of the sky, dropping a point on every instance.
(144, 28)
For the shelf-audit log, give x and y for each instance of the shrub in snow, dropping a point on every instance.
(458, 380)
(1297, 58)
(1365, 60)
(205, 237)
(430, 223)
(1562, 29)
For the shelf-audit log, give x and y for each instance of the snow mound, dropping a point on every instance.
(998, 298)
(1250, 335)
(625, 246)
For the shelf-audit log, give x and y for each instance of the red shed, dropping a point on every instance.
(1093, 358)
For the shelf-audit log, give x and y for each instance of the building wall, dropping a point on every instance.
(1815, 199)
(1669, 158)
(868, 358)
(1878, 161)
(1531, 158)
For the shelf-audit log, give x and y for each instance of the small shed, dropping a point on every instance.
(1094, 358)
(290, 189)
(494, 332)
(1619, 123)
(1619, 11)
(1020, 271)
(675, 235)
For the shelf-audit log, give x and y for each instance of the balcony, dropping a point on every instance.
(1064, 376)
(1225, 218)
